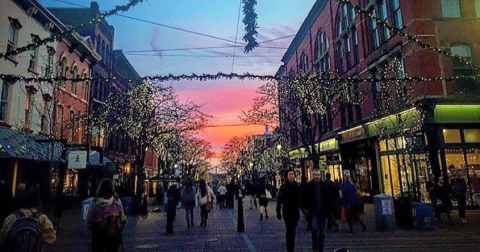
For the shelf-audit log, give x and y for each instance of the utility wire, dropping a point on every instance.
(205, 56)
(200, 48)
(236, 34)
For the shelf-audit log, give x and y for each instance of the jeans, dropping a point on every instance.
(319, 223)
(189, 214)
(290, 235)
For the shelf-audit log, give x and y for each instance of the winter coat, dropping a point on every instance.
(289, 202)
(100, 202)
(349, 194)
(49, 235)
(188, 197)
(173, 195)
(314, 204)
(203, 200)
(459, 188)
(332, 196)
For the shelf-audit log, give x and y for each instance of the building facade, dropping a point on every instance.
(397, 132)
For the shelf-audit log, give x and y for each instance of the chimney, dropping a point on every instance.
(94, 6)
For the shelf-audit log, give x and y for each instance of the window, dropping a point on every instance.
(451, 135)
(346, 36)
(84, 86)
(459, 68)
(355, 46)
(27, 110)
(59, 122)
(80, 133)
(396, 13)
(71, 128)
(472, 135)
(477, 8)
(451, 8)
(377, 86)
(383, 15)
(323, 59)
(4, 89)
(63, 70)
(103, 51)
(304, 63)
(75, 75)
(98, 49)
(49, 67)
(374, 30)
(12, 40)
(32, 65)
(45, 113)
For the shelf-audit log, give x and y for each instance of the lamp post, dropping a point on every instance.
(240, 221)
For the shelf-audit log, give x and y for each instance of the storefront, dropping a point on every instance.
(330, 160)
(358, 159)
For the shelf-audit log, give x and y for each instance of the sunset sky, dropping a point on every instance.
(223, 99)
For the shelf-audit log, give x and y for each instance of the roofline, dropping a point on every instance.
(128, 64)
(317, 8)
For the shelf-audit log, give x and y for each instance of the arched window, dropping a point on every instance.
(390, 12)
(71, 126)
(59, 122)
(304, 63)
(63, 67)
(347, 38)
(322, 60)
(84, 86)
(75, 75)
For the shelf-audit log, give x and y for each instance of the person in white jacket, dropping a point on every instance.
(205, 196)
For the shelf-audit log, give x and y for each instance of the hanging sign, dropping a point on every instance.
(77, 160)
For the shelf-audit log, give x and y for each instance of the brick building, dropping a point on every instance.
(430, 127)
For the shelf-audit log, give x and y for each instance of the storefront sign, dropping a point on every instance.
(387, 207)
(353, 135)
(77, 160)
(328, 145)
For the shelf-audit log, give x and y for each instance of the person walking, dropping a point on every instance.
(351, 204)
(317, 207)
(159, 197)
(288, 207)
(444, 205)
(106, 219)
(188, 201)
(251, 191)
(6, 198)
(173, 197)
(27, 224)
(262, 201)
(459, 191)
(222, 194)
(204, 195)
(334, 207)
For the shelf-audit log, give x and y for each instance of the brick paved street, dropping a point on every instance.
(221, 235)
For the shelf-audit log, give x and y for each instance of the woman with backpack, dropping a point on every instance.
(27, 224)
(106, 218)
(188, 201)
(205, 197)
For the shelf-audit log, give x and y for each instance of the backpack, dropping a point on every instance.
(108, 219)
(26, 234)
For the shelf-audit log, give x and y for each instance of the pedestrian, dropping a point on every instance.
(204, 195)
(6, 198)
(28, 223)
(106, 218)
(188, 200)
(288, 207)
(222, 194)
(251, 191)
(18, 195)
(459, 191)
(317, 206)
(173, 197)
(351, 204)
(262, 201)
(160, 197)
(333, 197)
(444, 205)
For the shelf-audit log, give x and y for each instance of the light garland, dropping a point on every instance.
(59, 36)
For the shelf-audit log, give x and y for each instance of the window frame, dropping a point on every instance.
(445, 8)
(4, 100)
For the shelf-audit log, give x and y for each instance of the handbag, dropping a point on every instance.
(268, 194)
(208, 205)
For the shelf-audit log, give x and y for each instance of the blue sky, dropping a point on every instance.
(223, 99)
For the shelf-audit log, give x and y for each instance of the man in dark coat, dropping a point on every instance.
(317, 207)
(288, 203)
(333, 198)
(173, 195)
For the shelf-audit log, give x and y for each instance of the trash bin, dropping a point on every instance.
(384, 212)
(424, 216)
(127, 205)
(403, 212)
(85, 207)
(476, 198)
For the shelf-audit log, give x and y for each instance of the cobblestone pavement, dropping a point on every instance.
(269, 235)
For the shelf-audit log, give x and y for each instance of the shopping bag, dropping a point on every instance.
(343, 216)
(268, 194)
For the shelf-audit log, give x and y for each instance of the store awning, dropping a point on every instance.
(94, 159)
(20, 145)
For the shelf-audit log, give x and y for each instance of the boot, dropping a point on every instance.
(261, 217)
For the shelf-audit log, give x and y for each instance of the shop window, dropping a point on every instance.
(472, 135)
(4, 92)
(451, 8)
(391, 144)
(401, 142)
(391, 181)
(452, 136)
(383, 145)
(473, 160)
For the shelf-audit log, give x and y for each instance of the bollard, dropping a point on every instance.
(240, 222)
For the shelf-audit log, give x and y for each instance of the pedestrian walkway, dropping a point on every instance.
(269, 235)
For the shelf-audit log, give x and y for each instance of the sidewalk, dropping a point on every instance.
(269, 235)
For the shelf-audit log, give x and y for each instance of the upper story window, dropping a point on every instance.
(85, 86)
(13, 30)
(71, 127)
(451, 8)
(396, 13)
(73, 84)
(103, 51)
(322, 56)
(466, 86)
(347, 38)
(304, 63)
(49, 66)
(32, 64)
(63, 67)
(477, 8)
(388, 11)
(4, 99)
(27, 116)
(45, 114)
